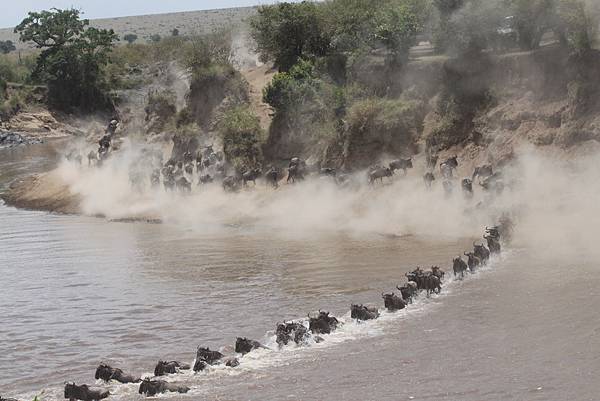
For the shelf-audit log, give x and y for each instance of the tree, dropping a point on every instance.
(287, 32)
(71, 62)
(130, 38)
(7, 46)
(396, 28)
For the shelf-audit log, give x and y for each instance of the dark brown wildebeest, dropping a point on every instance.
(447, 168)
(204, 357)
(251, 175)
(84, 392)
(379, 173)
(165, 368)
(481, 252)
(401, 164)
(459, 266)
(493, 244)
(323, 323)
(472, 261)
(393, 302)
(408, 291)
(107, 373)
(152, 387)
(244, 345)
(361, 312)
(429, 178)
(291, 331)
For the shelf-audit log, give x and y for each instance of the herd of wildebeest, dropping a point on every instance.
(302, 331)
(205, 166)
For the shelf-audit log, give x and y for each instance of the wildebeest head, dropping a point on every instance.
(163, 368)
(104, 372)
(244, 345)
(452, 161)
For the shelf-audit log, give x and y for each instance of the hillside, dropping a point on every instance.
(144, 26)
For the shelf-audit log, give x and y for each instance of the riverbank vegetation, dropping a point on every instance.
(341, 61)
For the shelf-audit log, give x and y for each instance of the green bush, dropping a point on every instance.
(241, 133)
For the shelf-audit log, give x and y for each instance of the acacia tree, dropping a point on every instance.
(72, 58)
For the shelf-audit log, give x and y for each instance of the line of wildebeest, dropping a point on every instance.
(301, 331)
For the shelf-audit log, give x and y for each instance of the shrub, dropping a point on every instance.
(240, 131)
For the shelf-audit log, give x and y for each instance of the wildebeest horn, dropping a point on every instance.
(474, 243)
(399, 289)
(382, 294)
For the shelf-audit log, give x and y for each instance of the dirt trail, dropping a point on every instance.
(258, 78)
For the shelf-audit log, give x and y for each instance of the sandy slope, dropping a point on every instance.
(46, 192)
(258, 78)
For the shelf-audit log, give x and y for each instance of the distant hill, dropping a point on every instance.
(189, 22)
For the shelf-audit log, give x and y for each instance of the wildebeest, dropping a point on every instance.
(459, 266)
(189, 168)
(429, 178)
(361, 312)
(92, 157)
(204, 356)
(155, 178)
(244, 345)
(393, 302)
(432, 283)
(107, 373)
(493, 244)
(439, 273)
(84, 392)
(472, 261)
(379, 173)
(205, 179)
(231, 184)
(232, 362)
(296, 169)
(481, 252)
(416, 276)
(447, 167)
(482, 172)
(251, 175)
(182, 184)
(408, 291)
(493, 232)
(291, 331)
(323, 323)
(431, 161)
(164, 368)
(7, 399)
(401, 164)
(272, 176)
(295, 172)
(493, 183)
(467, 186)
(152, 387)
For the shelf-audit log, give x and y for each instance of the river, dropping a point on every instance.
(77, 291)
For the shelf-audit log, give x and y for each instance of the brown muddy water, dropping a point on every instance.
(76, 291)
